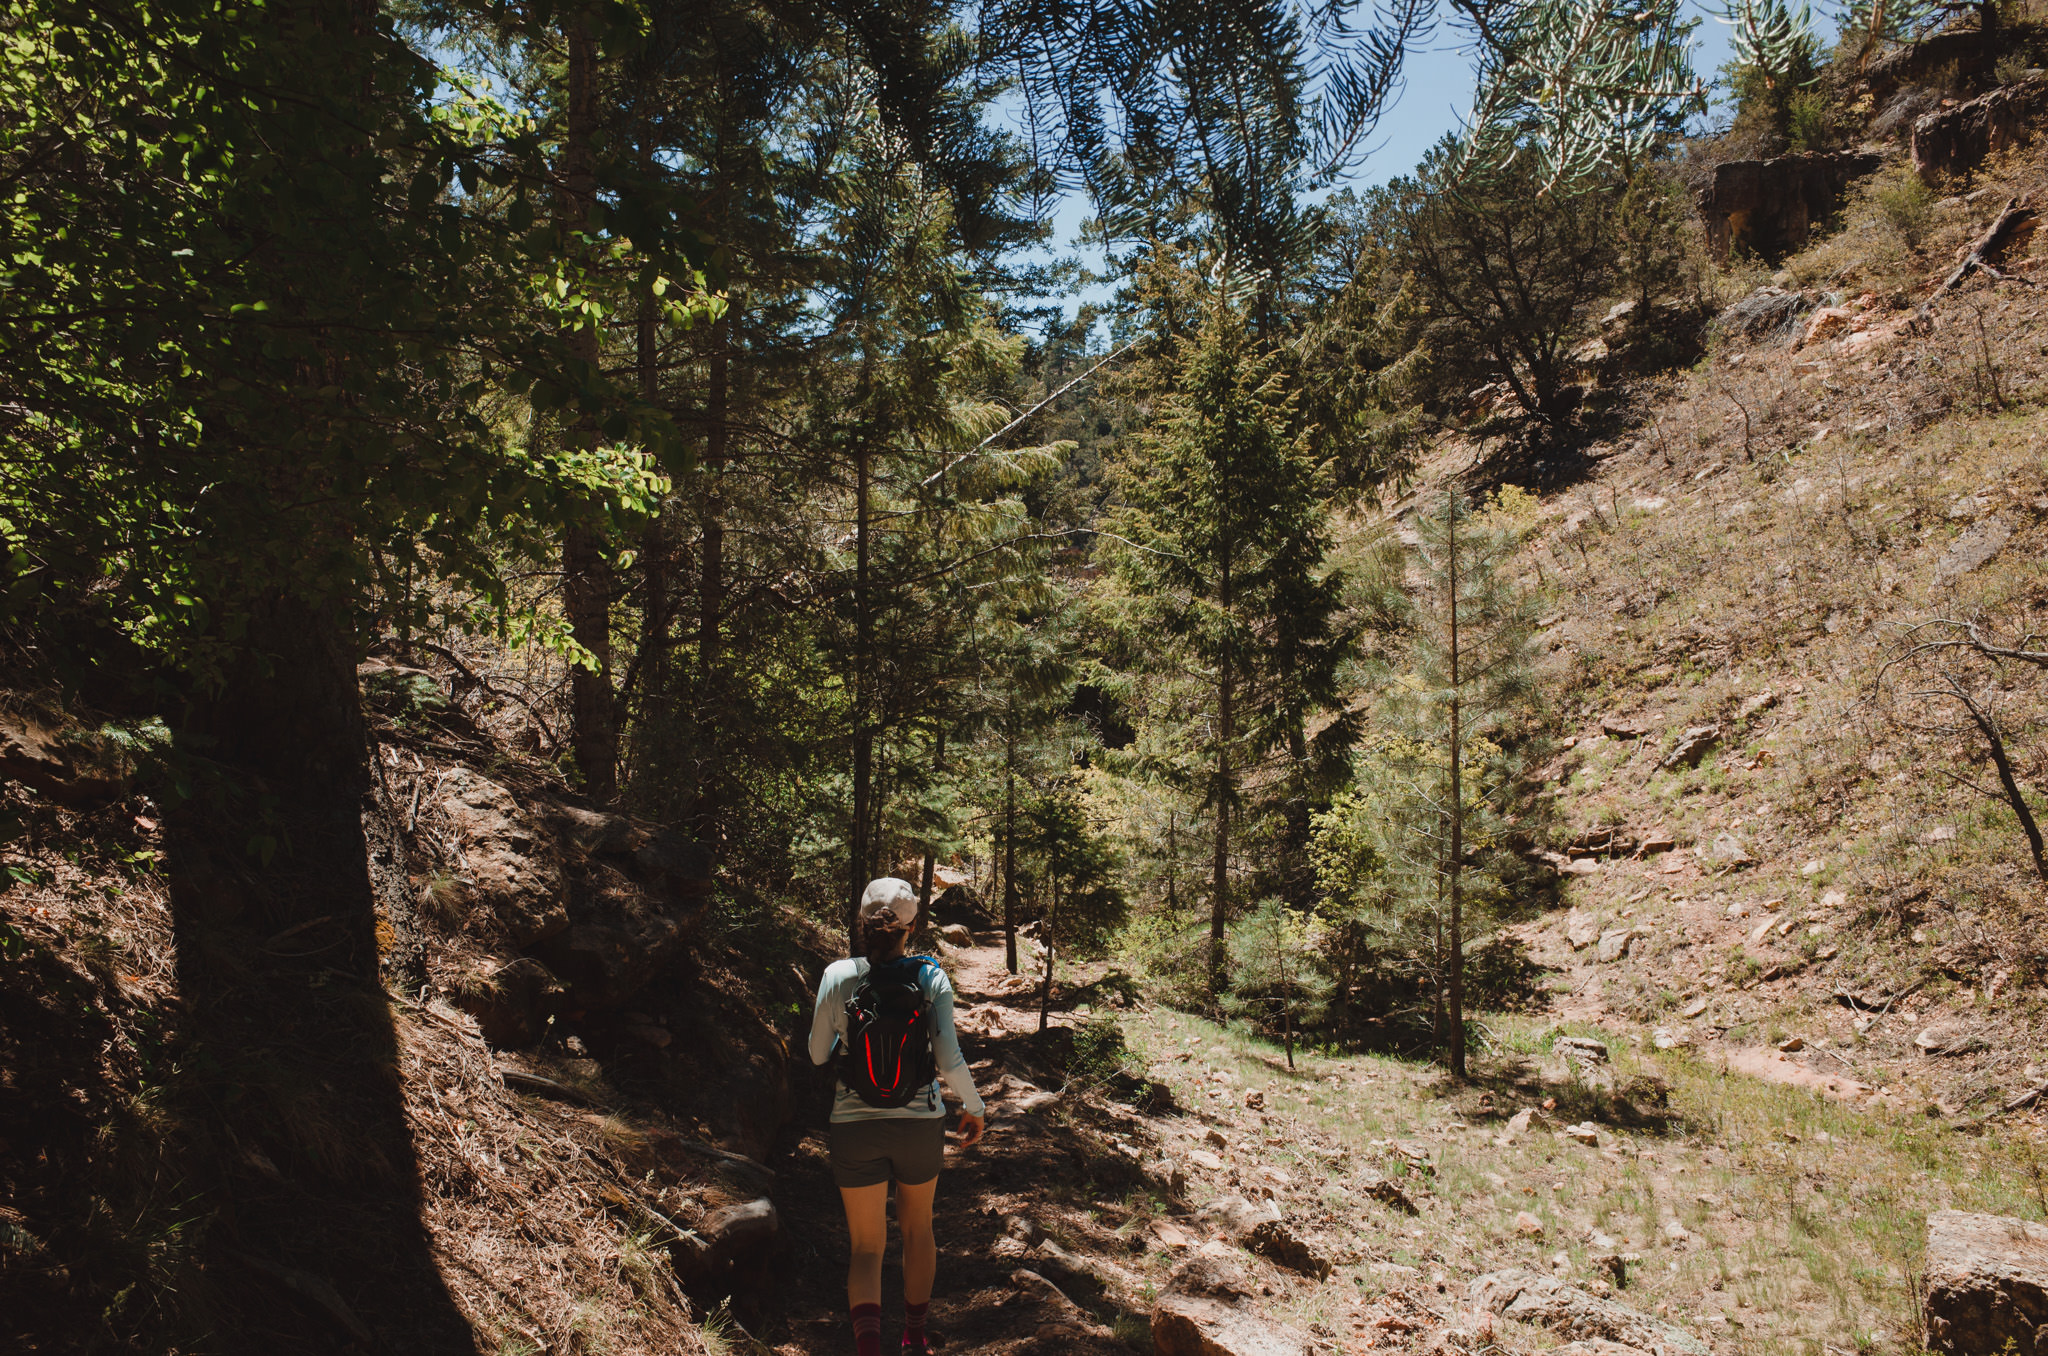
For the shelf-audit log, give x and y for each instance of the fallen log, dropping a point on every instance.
(1986, 247)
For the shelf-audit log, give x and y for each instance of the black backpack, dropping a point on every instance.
(886, 1058)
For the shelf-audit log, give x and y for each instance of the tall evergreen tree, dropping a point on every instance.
(1428, 821)
(1220, 540)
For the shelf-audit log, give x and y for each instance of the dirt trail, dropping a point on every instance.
(978, 1306)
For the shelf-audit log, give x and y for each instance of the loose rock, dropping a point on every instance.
(1277, 1242)
(1692, 746)
(1531, 1297)
(1237, 1216)
(1952, 1039)
(1614, 944)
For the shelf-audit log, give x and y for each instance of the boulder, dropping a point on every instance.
(505, 864)
(1237, 1216)
(674, 861)
(1581, 930)
(592, 831)
(1726, 847)
(729, 1239)
(1614, 944)
(1762, 701)
(1692, 746)
(1189, 1325)
(1594, 1346)
(1825, 324)
(1973, 549)
(1770, 206)
(1767, 315)
(618, 936)
(956, 934)
(1986, 1284)
(1212, 1272)
(1530, 1297)
(1956, 140)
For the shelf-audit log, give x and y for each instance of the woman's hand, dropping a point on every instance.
(971, 1128)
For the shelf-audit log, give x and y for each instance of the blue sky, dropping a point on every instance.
(1438, 92)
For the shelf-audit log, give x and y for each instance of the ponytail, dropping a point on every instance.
(881, 937)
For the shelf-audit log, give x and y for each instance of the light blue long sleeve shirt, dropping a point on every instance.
(828, 1029)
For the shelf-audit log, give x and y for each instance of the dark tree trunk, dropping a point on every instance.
(1010, 844)
(860, 848)
(1226, 731)
(931, 856)
(1457, 865)
(1045, 936)
(586, 568)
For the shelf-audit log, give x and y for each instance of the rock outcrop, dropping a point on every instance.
(503, 865)
(1202, 1313)
(602, 902)
(1957, 140)
(1769, 314)
(1190, 1325)
(1530, 1297)
(1987, 1284)
(1770, 206)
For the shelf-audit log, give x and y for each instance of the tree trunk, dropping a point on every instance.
(1045, 934)
(1298, 882)
(586, 573)
(1457, 864)
(931, 855)
(1173, 865)
(863, 731)
(654, 562)
(1010, 844)
(717, 444)
(711, 575)
(1226, 730)
(1286, 991)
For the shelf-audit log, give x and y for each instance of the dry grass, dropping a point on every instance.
(1803, 1218)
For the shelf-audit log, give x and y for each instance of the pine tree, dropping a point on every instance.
(1432, 799)
(1220, 542)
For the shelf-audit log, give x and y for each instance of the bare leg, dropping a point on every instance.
(867, 1228)
(920, 1252)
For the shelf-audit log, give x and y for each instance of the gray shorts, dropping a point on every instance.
(904, 1148)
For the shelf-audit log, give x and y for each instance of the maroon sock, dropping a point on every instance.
(913, 1325)
(867, 1329)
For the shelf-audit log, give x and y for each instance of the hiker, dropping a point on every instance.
(890, 1018)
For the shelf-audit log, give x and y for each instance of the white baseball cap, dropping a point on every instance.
(893, 893)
